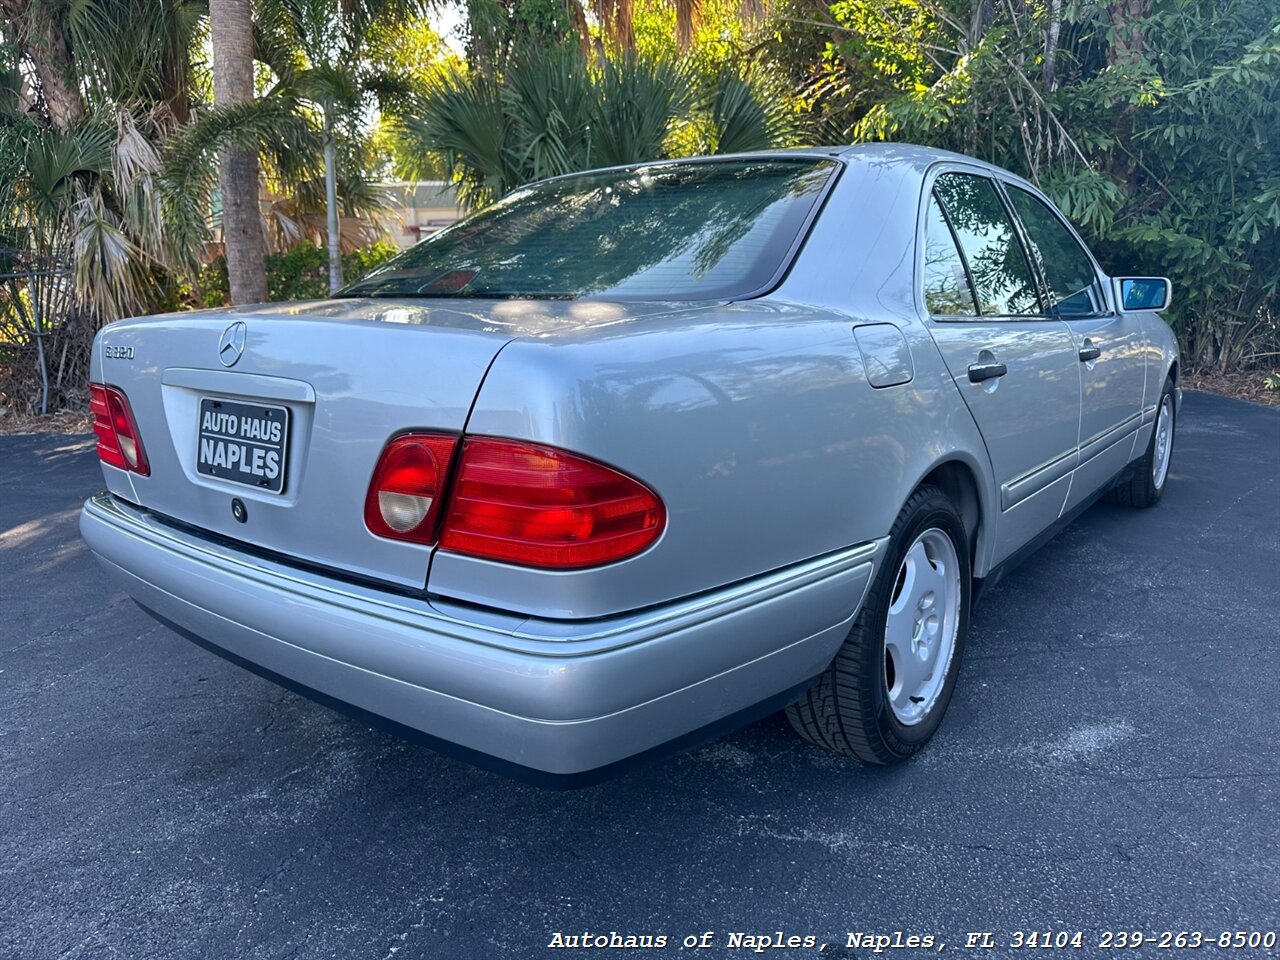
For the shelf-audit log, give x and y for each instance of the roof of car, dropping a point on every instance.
(906, 153)
(909, 154)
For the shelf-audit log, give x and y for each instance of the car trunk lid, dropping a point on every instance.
(337, 378)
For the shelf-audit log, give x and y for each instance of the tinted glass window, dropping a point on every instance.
(1068, 271)
(685, 231)
(946, 286)
(996, 260)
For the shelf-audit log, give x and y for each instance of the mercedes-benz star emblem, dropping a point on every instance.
(231, 344)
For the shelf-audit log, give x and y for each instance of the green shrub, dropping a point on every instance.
(300, 273)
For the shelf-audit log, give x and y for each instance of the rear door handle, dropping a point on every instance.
(986, 371)
(1089, 352)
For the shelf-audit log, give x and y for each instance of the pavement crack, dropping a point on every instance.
(273, 714)
(398, 940)
(844, 842)
(280, 868)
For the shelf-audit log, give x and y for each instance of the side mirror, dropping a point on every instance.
(1142, 293)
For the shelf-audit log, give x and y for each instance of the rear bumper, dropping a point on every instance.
(553, 697)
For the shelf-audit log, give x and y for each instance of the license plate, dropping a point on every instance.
(243, 443)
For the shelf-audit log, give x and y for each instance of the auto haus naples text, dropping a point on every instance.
(237, 445)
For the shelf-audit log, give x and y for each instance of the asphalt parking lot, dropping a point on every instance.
(1111, 761)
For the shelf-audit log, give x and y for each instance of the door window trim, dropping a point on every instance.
(998, 179)
(931, 178)
(1003, 185)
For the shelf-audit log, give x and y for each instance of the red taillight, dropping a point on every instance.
(510, 501)
(539, 506)
(404, 499)
(118, 441)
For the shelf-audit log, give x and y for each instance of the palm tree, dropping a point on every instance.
(556, 110)
(39, 29)
(88, 220)
(320, 51)
(90, 224)
(231, 36)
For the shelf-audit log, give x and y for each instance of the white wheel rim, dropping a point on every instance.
(920, 631)
(1164, 443)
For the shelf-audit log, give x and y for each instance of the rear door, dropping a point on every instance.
(1014, 366)
(1110, 346)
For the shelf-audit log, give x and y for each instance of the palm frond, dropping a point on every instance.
(257, 125)
(547, 98)
(110, 270)
(135, 51)
(461, 118)
(747, 111)
(636, 102)
(57, 164)
(273, 42)
(617, 18)
(688, 15)
(331, 86)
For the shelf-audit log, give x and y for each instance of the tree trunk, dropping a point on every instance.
(1051, 45)
(981, 16)
(231, 36)
(1127, 20)
(331, 210)
(41, 34)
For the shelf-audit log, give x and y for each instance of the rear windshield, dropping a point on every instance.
(672, 231)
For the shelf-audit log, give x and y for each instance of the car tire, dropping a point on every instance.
(862, 705)
(1151, 473)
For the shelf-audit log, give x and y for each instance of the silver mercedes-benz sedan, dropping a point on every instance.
(636, 455)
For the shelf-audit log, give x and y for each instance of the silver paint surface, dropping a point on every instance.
(532, 696)
(778, 431)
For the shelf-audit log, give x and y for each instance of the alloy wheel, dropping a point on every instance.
(920, 631)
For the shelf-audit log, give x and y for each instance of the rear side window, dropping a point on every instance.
(946, 284)
(1073, 284)
(671, 231)
(997, 263)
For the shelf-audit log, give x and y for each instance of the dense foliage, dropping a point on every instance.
(1154, 123)
(554, 111)
(1155, 126)
(91, 227)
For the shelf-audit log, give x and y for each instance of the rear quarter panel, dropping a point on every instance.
(754, 422)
